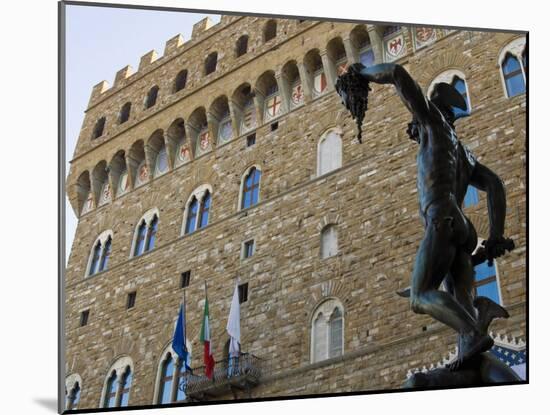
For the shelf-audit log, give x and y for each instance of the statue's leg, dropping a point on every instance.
(462, 274)
(433, 261)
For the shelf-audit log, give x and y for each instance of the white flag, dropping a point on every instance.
(234, 324)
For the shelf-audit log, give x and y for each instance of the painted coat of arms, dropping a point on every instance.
(395, 47)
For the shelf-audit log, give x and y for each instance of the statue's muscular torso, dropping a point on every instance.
(444, 164)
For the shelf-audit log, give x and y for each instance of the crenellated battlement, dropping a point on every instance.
(173, 46)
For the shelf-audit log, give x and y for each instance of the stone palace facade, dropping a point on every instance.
(231, 157)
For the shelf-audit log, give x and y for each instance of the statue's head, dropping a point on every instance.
(445, 97)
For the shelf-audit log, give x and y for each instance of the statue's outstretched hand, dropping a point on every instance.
(496, 247)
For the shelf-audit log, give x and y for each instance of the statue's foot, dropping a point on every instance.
(470, 348)
(488, 310)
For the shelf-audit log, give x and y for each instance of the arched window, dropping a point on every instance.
(152, 233)
(205, 209)
(192, 216)
(471, 198)
(197, 209)
(513, 76)
(95, 259)
(72, 391)
(152, 95)
(329, 241)
(171, 377)
(166, 379)
(251, 188)
(125, 386)
(140, 243)
(460, 86)
(116, 390)
(270, 30)
(101, 252)
(316, 72)
(335, 333)
(361, 43)
(106, 254)
(486, 281)
(110, 396)
(124, 114)
(210, 63)
(146, 233)
(329, 153)
(242, 45)
(513, 65)
(98, 128)
(457, 79)
(327, 331)
(181, 80)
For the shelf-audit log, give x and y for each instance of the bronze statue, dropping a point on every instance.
(446, 255)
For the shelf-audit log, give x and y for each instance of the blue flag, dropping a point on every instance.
(178, 343)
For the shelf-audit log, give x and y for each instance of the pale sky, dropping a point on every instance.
(99, 42)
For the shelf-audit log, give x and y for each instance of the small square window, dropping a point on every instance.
(243, 292)
(185, 279)
(274, 125)
(84, 318)
(131, 302)
(248, 249)
(251, 140)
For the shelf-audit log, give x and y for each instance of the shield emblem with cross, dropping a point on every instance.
(273, 106)
(342, 68)
(89, 204)
(320, 82)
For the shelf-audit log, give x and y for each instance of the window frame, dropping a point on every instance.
(198, 194)
(245, 189)
(323, 308)
(146, 219)
(102, 239)
(324, 137)
(487, 280)
(516, 48)
(151, 98)
(118, 369)
(71, 382)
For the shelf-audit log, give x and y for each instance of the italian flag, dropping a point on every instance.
(205, 340)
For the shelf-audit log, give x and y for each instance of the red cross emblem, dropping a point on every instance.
(273, 105)
(342, 69)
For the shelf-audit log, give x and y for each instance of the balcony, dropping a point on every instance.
(230, 375)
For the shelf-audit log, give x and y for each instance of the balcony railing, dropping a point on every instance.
(236, 373)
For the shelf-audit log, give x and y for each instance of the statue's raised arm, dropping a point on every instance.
(391, 73)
